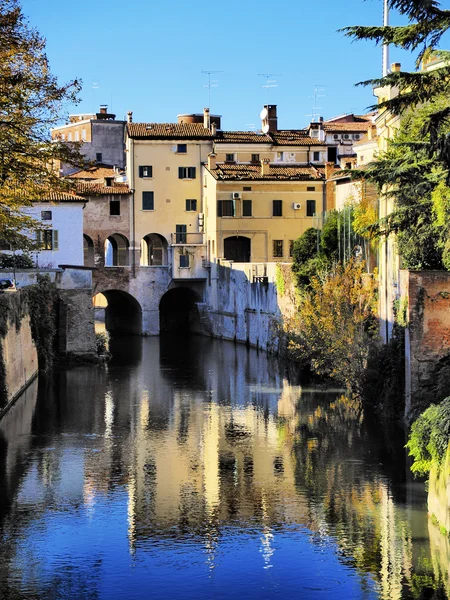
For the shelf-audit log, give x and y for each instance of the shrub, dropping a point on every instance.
(429, 437)
(18, 261)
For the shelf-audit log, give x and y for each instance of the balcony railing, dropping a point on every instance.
(187, 239)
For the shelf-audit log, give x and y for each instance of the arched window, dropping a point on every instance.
(88, 249)
(117, 251)
(153, 250)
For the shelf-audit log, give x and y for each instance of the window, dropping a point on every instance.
(181, 236)
(316, 155)
(47, 239)
(247, 208)
(184, 260)
(310, 208)
(280, 156)
(229, 158)
(83, 135)
(247, 188)
(186, 172)
(99, 157)
(291, 248)
(77, 136)
(226, 208)
(69, 137)
(255, 158)
(148, 201)
(63, 136)
(182, 148)
(146, 171)
(310, 188)
(277, 248)
(114, 207)
(191, 205)
(46, 215)
(277, 208)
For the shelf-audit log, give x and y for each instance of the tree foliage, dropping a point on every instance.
(31, 101)
(335, 323)
(429, 437)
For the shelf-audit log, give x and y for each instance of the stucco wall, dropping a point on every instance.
(18, 351)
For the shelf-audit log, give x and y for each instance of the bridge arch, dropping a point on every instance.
(123, 313)
(178, 311)
(153, 250)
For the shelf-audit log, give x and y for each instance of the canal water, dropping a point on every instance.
(196, 469)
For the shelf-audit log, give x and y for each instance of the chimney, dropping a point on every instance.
(330, 168)
(265, 166)
(396, 67)
(130, 116)
(103, 109)
(212, 159)
(213, 129)
(272, 117)
(108, 181)
(206, 118)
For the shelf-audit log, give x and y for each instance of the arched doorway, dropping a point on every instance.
(178, 312)
(153, 250)
(123, 313)
(88, 249)
(237, 248)
(116, 251)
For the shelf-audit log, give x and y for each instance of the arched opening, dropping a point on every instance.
(88, 249)
(178, 312)
(237, 248)
(116, 251)
(153, 250)
(123, 313)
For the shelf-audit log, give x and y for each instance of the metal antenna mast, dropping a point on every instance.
(211, 83)
(385, 62)
(318, 93)
(270, 83)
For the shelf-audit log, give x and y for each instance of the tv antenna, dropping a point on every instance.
(211, 83)
(270, 82)
(318, 93)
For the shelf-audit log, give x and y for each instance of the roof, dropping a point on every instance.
(294, 137)
(99, 171)
(100, 189)
(242, 137)
(60, 196)
(168, 131)
(253, 172)
(350, 127)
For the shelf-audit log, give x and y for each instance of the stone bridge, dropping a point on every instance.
(230, 301)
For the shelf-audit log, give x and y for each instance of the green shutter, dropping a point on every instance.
(180, 172)
(39, 239)
(55, 243)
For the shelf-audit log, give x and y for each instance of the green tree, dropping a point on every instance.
(31, 101)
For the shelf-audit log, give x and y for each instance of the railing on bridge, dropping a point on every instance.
(184, 238)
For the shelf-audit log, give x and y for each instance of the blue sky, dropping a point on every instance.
(148, 56)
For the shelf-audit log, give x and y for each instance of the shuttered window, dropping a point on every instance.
(148, 202)
(47, 239)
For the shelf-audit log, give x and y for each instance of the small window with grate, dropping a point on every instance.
(277, 248)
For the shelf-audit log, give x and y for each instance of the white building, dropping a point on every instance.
(61, 238)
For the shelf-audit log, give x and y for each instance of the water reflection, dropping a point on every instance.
(195, 469)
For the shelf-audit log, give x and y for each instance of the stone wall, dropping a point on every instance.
(18, 354)
(426, 296)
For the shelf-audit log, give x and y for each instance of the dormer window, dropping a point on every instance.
(230, 158)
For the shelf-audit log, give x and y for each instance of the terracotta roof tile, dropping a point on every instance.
(99, 189)
(242, 137)
(350, 127)
(277, 173)
(294, 137)
(60, 196)
(95, 172)
(162, 131)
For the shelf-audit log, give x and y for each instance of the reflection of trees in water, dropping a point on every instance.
(348, 493)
